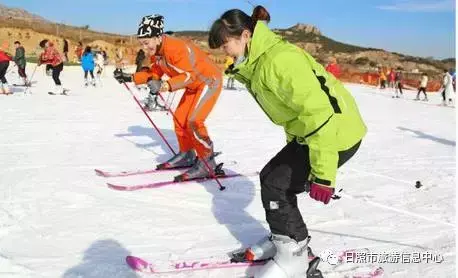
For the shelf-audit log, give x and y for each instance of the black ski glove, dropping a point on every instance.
(121, 76)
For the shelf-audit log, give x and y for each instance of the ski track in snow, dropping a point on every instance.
(58, 219)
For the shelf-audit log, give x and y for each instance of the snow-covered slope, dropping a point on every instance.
(58, 219)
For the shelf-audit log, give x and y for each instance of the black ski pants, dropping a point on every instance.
(422, 89)
(282, 178)
(91, 72)
(3, 67)
(56, 70)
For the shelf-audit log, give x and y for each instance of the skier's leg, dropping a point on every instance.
(85, 77)
(23, 75)
(56, 70)
(282, 178)
(91, 72)
(3, 70)
(186, 155)
(424, 92)
(206, 99)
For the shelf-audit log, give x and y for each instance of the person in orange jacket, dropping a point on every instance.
(333, 67)
(189, 68)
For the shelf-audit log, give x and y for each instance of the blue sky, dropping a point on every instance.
(416, 27)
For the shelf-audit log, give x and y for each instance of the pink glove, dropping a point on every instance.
(321, 193)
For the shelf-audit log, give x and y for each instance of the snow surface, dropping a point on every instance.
(58, 219)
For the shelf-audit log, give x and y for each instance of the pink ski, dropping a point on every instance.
(376, 273)
(107, 174)
(141, 265)
(138, 264)
(166, 183)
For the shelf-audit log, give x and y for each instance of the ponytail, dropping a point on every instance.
(260, 13)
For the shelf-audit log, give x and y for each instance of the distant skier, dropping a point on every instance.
(79, 51)
(423, 86)
(189, 68)
(333, 67)
(54, 64)
(382, 79)
(391, 79)
(65, 50)
(398, 83)
(19, 59)
(5, 59)
(99, 65)
(447, 88)
(228, 63)
(323, 129)
(105, 57)
(88, 65)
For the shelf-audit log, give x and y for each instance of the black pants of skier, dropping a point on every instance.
(399, 86)
(91, 72)
(443, 94)
(56, 70)
(21, 71)
(422, 89)
(283, 177)
(3, 68)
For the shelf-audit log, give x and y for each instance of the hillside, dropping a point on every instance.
(18, 24)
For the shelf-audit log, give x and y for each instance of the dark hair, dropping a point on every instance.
(42, 44)
(87, 49)
(232, 23)
(17, 42)
(260, 13)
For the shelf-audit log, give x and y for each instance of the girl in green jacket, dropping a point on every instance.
(322, 124)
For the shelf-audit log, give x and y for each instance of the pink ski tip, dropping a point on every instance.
(136, 263)
(120, 187)
(99, 172)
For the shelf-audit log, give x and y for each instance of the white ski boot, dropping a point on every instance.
(6, 89)
(290, 260)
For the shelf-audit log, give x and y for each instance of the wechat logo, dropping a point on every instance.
(329, 257)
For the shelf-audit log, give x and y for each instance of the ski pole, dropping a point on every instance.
(249, 2)
(168, 98)
(29, 81)
(171, 102)
(149, 118)
(212, 175)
